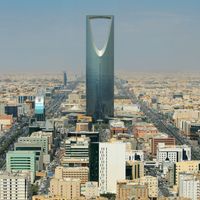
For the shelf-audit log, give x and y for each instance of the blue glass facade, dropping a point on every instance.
(99, 73)
(40, 108)
(39, 105)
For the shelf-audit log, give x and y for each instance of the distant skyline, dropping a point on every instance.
(49, 35)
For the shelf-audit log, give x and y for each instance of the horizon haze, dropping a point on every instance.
(49, 36)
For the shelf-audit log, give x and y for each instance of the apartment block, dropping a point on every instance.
(186, 166)
(14, 186)
(66, 188)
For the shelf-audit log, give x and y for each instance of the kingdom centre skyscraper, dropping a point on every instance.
(99, 72)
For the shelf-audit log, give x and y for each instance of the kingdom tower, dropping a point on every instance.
(99, 72)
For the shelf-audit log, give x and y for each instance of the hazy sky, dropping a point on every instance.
(49, 35)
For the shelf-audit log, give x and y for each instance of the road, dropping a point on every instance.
(160, 122)
(7, 141)
(54, 104)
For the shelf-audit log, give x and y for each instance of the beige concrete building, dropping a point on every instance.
(185, 114)
(152, 183)
(130, 190)
(48, 197)
(144, 130)
(67, 188)
(186, 166)
(81, 173)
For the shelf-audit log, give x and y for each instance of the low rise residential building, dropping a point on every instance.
(144, 130)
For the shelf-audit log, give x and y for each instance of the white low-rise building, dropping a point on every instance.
(173, 153)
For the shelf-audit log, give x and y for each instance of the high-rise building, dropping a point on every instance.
(64, 78)
(40, 140)
(36, 147)
(21, 161)
(110, 156)
(14, 186)
(99, 72)
(94, 161)
(39, 108)
(104, 157)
